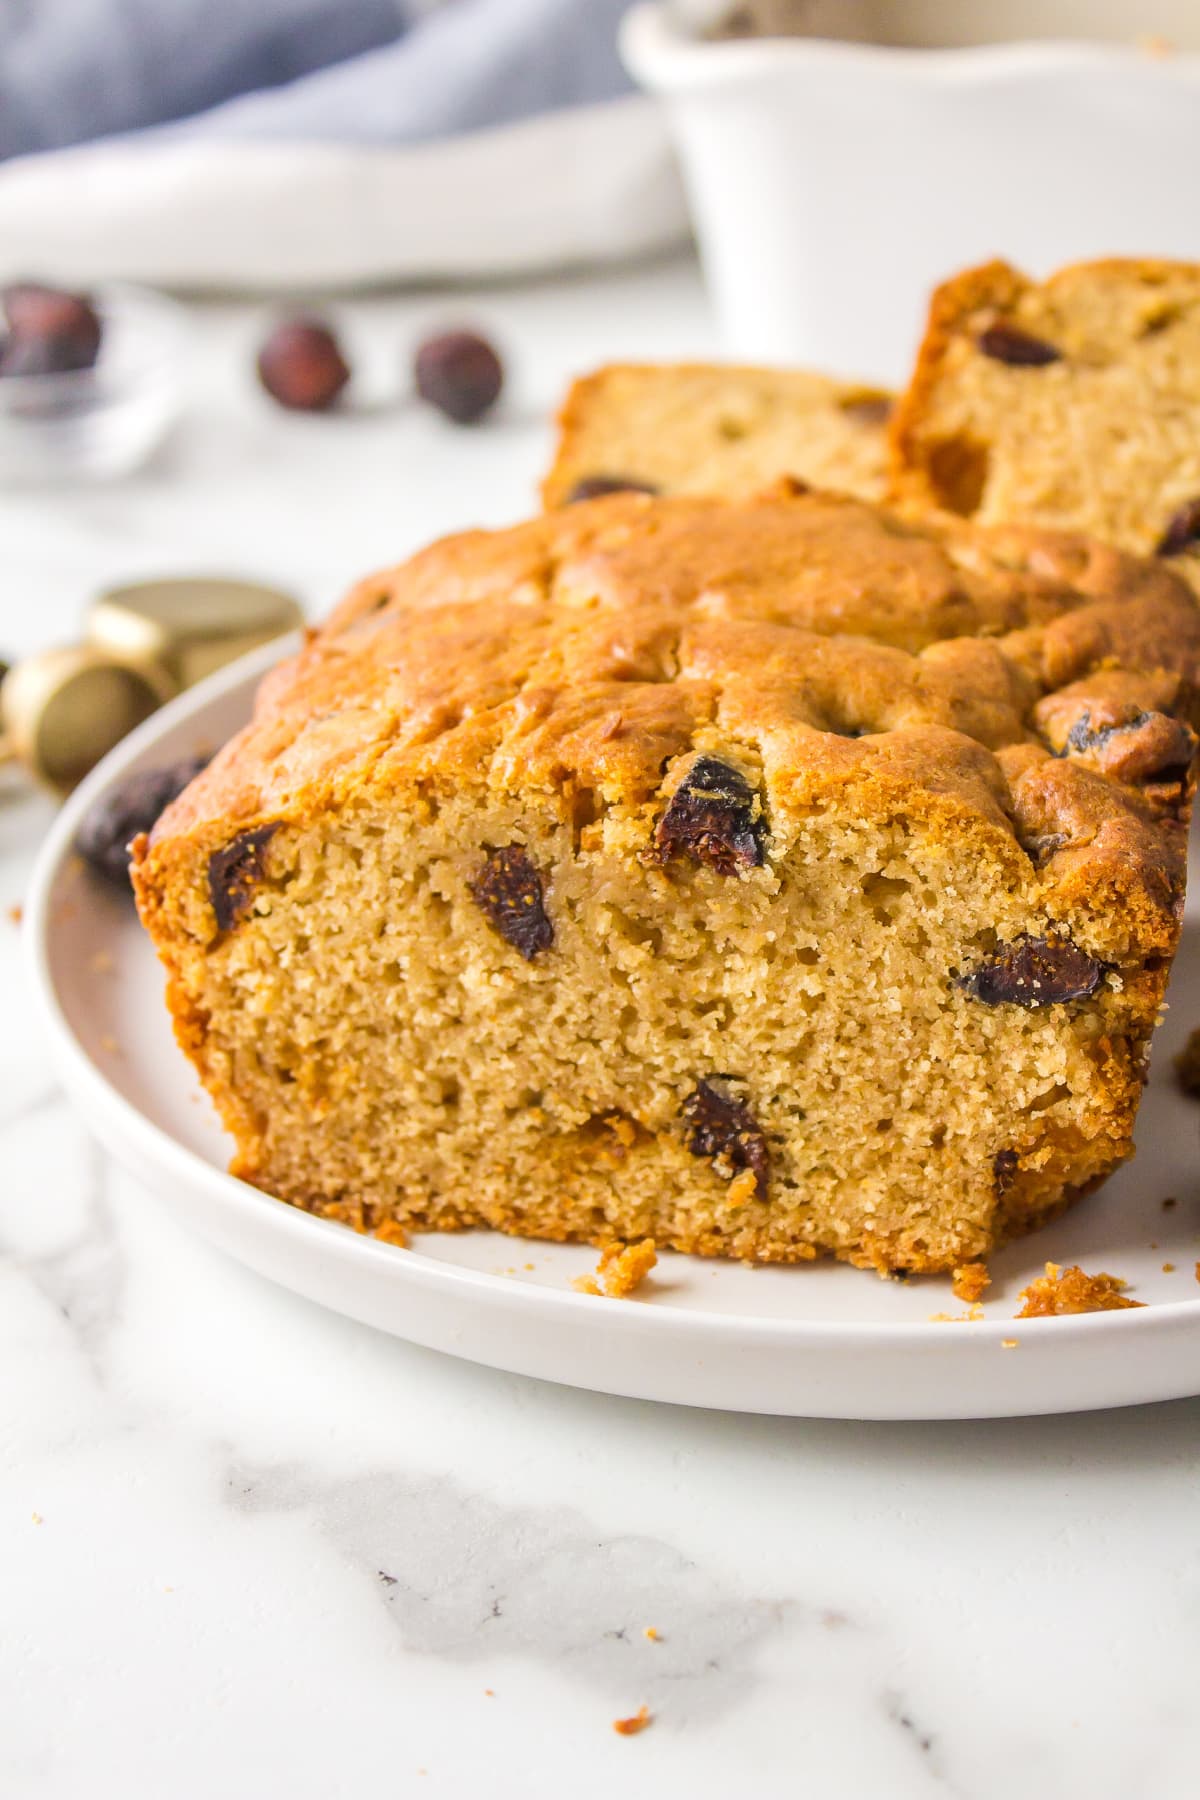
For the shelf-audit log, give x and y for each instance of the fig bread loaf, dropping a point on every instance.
(768, 878)
(715, 428)
(1074, 403)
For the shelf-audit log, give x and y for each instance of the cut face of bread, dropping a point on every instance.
(1072, 404)
(769, 879)
(704, 428)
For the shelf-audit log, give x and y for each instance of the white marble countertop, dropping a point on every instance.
(250, 1549)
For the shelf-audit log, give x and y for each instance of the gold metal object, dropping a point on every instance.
(189, 626)
(64, 709)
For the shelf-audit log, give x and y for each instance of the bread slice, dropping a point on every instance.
(768, 878)
(1074, 403)
(708, 428)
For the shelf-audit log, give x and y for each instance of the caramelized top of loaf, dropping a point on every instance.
(1030, 682)
(1073, 403)
(717, 428)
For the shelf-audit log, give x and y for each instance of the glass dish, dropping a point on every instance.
(104, 421)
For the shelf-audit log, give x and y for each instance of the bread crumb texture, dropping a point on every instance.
(621, 1269)
(1072, 403)
(771, 879)
(1060, 1291)
(712, 428)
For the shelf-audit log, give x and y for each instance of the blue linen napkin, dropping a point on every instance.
(354, 71)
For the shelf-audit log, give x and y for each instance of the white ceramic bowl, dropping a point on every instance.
(833, 184)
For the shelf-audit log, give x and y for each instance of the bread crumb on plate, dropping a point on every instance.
(631, 1727)
(622, 1268)
(970, 1280)
(1060, 1291)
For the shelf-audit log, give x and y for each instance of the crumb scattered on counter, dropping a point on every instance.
(16, 914)
(489, 1693)
(652, 1635)
(1060, 1291)
(622, 1267)
(1168, 1268)
(1009, 1343)
(970, 1280)
(1187, 1065)
(631, 1727)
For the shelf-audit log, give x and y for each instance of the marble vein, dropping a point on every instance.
(465, 1577)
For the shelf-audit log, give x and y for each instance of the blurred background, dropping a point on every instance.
(310, 142)
(228, 236)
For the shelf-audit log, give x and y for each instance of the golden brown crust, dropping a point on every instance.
(1094, 428)
(611, 634)
(993, 284)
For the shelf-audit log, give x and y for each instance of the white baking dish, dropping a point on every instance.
(833, 183)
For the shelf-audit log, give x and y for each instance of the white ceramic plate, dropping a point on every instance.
(819, 1340)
